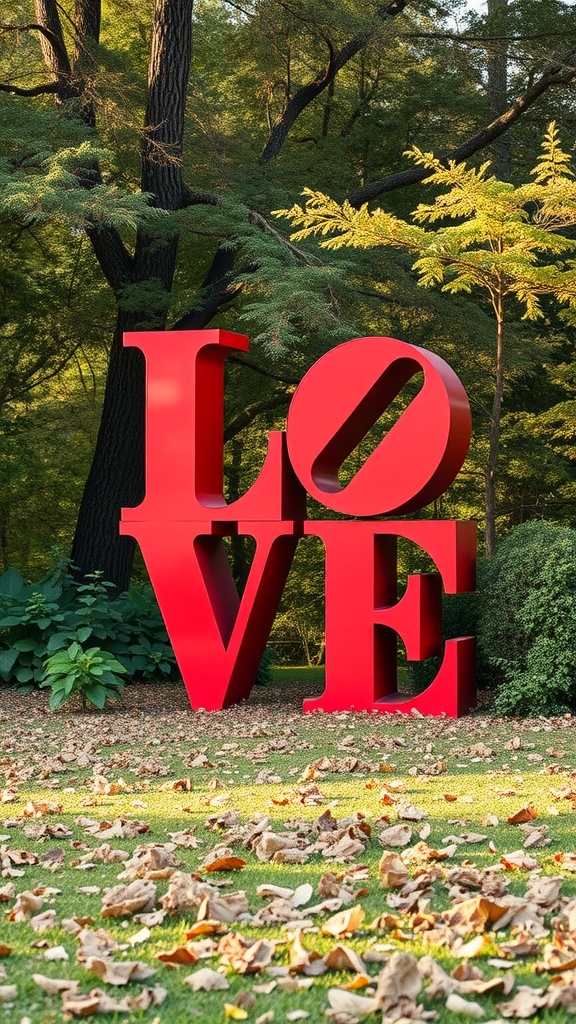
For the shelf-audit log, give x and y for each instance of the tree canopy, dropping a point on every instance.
(142, 148)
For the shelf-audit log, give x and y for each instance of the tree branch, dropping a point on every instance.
(248, 364)
(309, 92)
(60, 56)
(552, 76)
(301, 258)
(457, 37)
(115, 261)
(36, 382)
(221, 284)
(190, 197)
(249, 414)
(218, 289)
(36, 90)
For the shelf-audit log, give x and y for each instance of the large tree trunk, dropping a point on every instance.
(116, 476)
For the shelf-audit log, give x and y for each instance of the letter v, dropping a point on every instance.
(218, 637)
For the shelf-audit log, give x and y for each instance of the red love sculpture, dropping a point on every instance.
(218, 637)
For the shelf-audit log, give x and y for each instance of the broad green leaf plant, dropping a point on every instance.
(499, 239)
(94, 674)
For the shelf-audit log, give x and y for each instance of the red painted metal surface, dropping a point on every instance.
(184, 436)
(364, 616)
(218, 637)
(344, 394)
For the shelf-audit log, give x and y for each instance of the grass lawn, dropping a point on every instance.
(175, 771)
(291, 673)
(314, 674)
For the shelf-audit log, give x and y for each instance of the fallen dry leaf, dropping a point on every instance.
(343, 958)
(44, 921)
(393, 872)
(207, 980)
(303, 961)
(396, 835)
(37, 808)
(25, 906)
(344, 923)
(399, 983)
(518, 860)
(56, 953)
(456, 1004)
(525, 1003)
(473, 915)
(245, 956)
(54, 986)
(234, 1012)
(525, 814)
(222, 860)
(75, 1004)
(126, 900)
(119, 972)
(346, 1002)
(178, 955)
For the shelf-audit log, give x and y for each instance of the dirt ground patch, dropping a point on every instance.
(153, 700)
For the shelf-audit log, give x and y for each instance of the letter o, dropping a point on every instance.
(343, 395)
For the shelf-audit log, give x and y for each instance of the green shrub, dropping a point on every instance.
(39, 619)
(93, 674)
(264, 675)
(527, 624)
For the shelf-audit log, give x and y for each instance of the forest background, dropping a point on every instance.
(143, 147)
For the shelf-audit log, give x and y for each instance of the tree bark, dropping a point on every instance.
(116, 477)
(52, 40)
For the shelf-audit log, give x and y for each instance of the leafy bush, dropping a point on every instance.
(39, 619)
(93, 674)
(264, 675)
(527, 626)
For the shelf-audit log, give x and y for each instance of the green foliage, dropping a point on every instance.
(502, 243)
(527, 624)
(497, 235)
(298, 632)
(53, 188)
(44, 618)
(264, 675)
(93, 674)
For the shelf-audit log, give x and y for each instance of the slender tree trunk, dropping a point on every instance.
(495, 424)
(116, 477)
